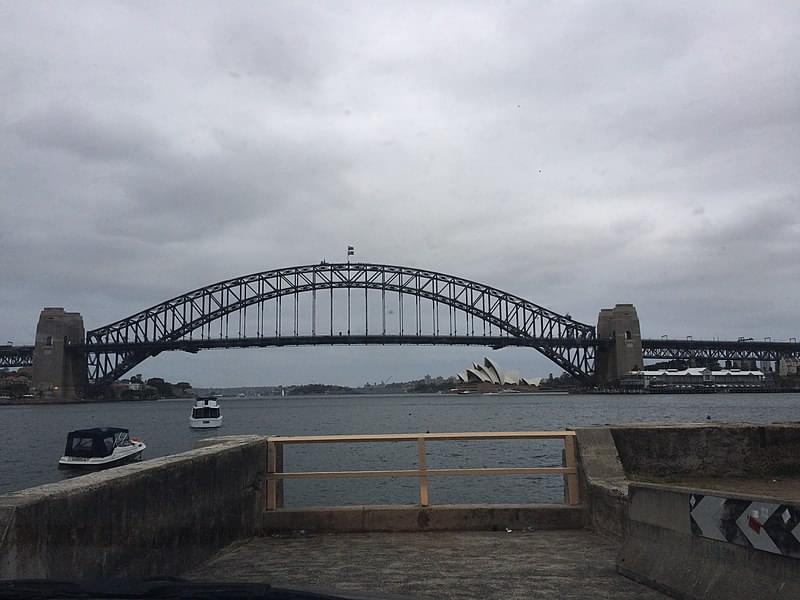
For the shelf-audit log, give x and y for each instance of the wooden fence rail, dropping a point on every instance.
(276, 475)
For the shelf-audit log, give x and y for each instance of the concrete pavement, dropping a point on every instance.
(471, 565)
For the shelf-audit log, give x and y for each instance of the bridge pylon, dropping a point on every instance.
(620, 325)
(59, 374)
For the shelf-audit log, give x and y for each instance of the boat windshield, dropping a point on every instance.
(205, 412)
(81, 446)
(122, 439)
(88, 446)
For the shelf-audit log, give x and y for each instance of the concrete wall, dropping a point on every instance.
(661, 552)
(734, 450)
(604, 488)
(659, 547)
(156, 517)
(611, 456)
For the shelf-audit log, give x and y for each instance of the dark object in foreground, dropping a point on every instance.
(172, 587)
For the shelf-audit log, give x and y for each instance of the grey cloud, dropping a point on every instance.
(106, 137)
(575, 154)
(287, 46)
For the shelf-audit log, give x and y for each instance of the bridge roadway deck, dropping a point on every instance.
(471, 565)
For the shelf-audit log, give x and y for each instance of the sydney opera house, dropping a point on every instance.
(490, 373)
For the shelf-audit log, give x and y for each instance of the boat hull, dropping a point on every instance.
(205, 423)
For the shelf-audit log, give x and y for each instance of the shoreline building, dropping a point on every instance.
(693, 378)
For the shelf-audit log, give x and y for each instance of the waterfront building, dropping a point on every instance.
(693, 378)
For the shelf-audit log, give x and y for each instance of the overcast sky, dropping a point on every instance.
(578, 154)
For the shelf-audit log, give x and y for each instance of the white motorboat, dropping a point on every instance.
(100, 448)
(205, 414)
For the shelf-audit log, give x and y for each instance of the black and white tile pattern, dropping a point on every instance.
(770, 527)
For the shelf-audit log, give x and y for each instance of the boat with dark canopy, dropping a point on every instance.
(100, 448)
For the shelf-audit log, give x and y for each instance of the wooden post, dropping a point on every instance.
(572, 491)
(272, 487)
(423, 477)
(279, 469)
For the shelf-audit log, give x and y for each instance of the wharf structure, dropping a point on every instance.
(692, 511)
(693, 379)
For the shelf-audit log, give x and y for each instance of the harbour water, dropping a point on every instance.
(34, 436)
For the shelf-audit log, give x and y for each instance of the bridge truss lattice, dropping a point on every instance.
(331, 303)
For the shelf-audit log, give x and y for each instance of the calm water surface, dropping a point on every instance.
(34, 436)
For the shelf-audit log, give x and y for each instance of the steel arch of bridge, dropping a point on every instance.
(116, 348)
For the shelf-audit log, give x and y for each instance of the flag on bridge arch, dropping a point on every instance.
(350, 251)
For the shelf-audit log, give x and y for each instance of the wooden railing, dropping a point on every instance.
(276, 475)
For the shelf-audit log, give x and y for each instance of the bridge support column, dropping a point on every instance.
(57, 373)
(620, 325)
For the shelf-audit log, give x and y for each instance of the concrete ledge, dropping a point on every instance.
(228, 439)
(463, 517)
(603, 483)
(661, 552)
(708, 450)
(156, 517)
(738, 488)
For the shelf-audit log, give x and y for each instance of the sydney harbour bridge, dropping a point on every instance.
(349, 304)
